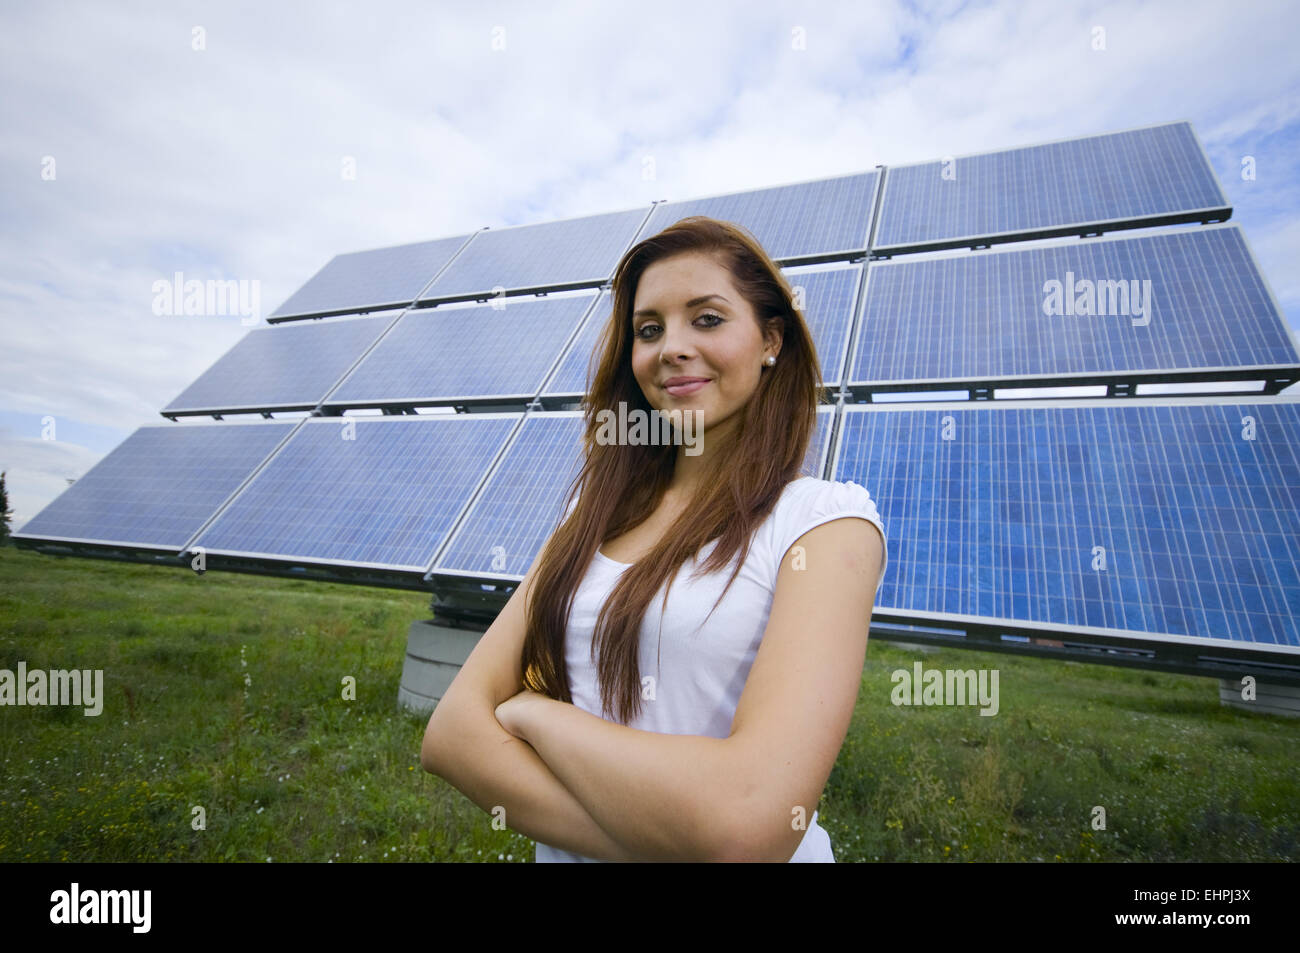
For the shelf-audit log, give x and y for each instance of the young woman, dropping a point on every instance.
(609, 722)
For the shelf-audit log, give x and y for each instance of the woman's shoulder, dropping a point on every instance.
(808, 502)
(826, 496)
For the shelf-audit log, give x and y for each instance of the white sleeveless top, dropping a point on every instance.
(698, 674)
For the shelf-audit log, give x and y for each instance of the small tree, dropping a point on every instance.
(6, 514)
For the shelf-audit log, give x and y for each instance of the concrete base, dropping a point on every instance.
(434, 654)
(1270, 697)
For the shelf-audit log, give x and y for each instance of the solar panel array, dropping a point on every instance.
(1188, 299)
(1156, 175)
(998, 523)
(1139, 516)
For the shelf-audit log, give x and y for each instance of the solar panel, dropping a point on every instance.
(500, 350)
(1138, 517)
(974, 316)
(828, 299)
(283, 367)
(522, 500)
(1151, 176)
(570, 377)
(370, 280)
(565, 253)
(375, 492)
(820, 219)
(157, 488)
(814, 463)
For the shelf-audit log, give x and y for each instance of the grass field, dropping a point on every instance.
(225, 692)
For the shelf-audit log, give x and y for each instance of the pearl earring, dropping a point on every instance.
(770, 360)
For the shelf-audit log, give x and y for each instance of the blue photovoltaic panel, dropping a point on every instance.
(385, 497)
(458, 353)
(981, 315)
(523, 499)
(158, 487)
(828, 299)
(283, 366)
(567, 252)
(369, 280)
(814, 463)
(571, 375)
(826, 217)
(1118, 179)
(1196, 506)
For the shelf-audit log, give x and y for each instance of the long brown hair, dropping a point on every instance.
(620, 486)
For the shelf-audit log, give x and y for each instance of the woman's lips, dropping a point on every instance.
(682, 390)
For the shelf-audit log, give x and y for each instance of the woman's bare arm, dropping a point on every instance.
(494, 769)
(466, 745)
(667, 797)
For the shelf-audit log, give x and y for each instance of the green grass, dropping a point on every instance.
(284, 767)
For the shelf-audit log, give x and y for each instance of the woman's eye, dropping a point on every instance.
(652, 328)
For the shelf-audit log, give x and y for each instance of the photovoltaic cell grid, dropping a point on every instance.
(814, 462)
(283, 366)
(157, 487)
(523, 500)
(571, 251)
(386, 497)
(981, 315)
(368, 280)
(1200, 526)
(570, 376)
(828, 301)
(790, 221)
(1113, 178)
(451, 353)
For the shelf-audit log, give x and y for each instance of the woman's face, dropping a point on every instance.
(689, 321)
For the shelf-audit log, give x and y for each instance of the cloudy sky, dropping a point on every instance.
(207, 138)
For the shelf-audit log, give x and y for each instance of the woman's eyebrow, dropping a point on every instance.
(651, 312)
